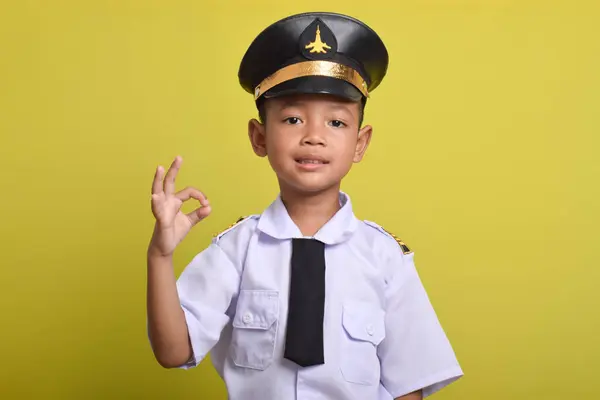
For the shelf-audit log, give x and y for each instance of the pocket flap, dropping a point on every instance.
(364, 322)
(256, 309)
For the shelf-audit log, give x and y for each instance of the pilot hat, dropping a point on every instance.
(314, 53)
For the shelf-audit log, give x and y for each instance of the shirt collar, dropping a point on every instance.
(276, 222)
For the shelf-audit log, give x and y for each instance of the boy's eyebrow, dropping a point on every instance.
(289, 103)
(342, 107)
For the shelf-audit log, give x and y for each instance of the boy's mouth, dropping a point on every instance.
(311, 160)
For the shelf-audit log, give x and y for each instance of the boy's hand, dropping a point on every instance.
(171, 224)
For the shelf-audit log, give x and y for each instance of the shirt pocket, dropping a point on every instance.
(255, 328)
(363, 330)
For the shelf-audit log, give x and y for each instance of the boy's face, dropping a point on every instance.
(311, 140)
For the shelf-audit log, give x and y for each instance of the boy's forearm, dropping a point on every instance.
(166, 322)
(418, 395)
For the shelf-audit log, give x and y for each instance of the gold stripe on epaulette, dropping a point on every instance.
(403, 246)
(240, 219)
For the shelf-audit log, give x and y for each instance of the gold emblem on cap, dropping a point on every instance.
(318, 46)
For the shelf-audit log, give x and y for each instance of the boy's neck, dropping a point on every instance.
(310, 211)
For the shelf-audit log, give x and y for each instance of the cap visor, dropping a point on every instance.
(316, 85)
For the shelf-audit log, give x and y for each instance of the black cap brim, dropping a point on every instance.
(316, 85)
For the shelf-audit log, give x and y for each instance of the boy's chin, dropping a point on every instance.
(308, 186)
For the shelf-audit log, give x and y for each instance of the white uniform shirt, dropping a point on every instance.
(382, 338)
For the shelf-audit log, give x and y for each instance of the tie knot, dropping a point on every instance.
(308, 243)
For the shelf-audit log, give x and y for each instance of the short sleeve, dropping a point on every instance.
(206, 288)
(416, 353)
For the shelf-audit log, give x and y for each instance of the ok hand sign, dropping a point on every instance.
(172, 225)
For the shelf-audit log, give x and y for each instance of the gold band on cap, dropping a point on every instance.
(312, 68)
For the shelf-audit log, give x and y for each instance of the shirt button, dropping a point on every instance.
(247, 318)
(370, 330)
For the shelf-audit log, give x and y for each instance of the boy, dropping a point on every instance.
(304, 301)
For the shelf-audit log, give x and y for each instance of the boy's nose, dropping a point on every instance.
(314, 137)
(313, 140)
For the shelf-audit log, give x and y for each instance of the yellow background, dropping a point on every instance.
(484, 160)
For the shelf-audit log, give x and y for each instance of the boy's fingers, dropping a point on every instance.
(169, 183)
(157, 186)
(192, 193)
(198, 214)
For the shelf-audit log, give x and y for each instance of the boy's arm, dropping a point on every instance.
(416, 354)
(167, 328)
(418, 395)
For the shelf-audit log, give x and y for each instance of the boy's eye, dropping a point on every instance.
(292, 120)
(337, 123)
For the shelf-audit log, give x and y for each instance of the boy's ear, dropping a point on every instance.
(256, 133)
(364, 138)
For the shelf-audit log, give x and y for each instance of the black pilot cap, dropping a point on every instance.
(314, 53)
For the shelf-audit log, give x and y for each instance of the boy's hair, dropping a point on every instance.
(262, 113)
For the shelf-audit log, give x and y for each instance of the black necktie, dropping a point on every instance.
(304, 335)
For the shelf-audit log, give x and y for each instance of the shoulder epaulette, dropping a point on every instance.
(403, 246)
(230, 227)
